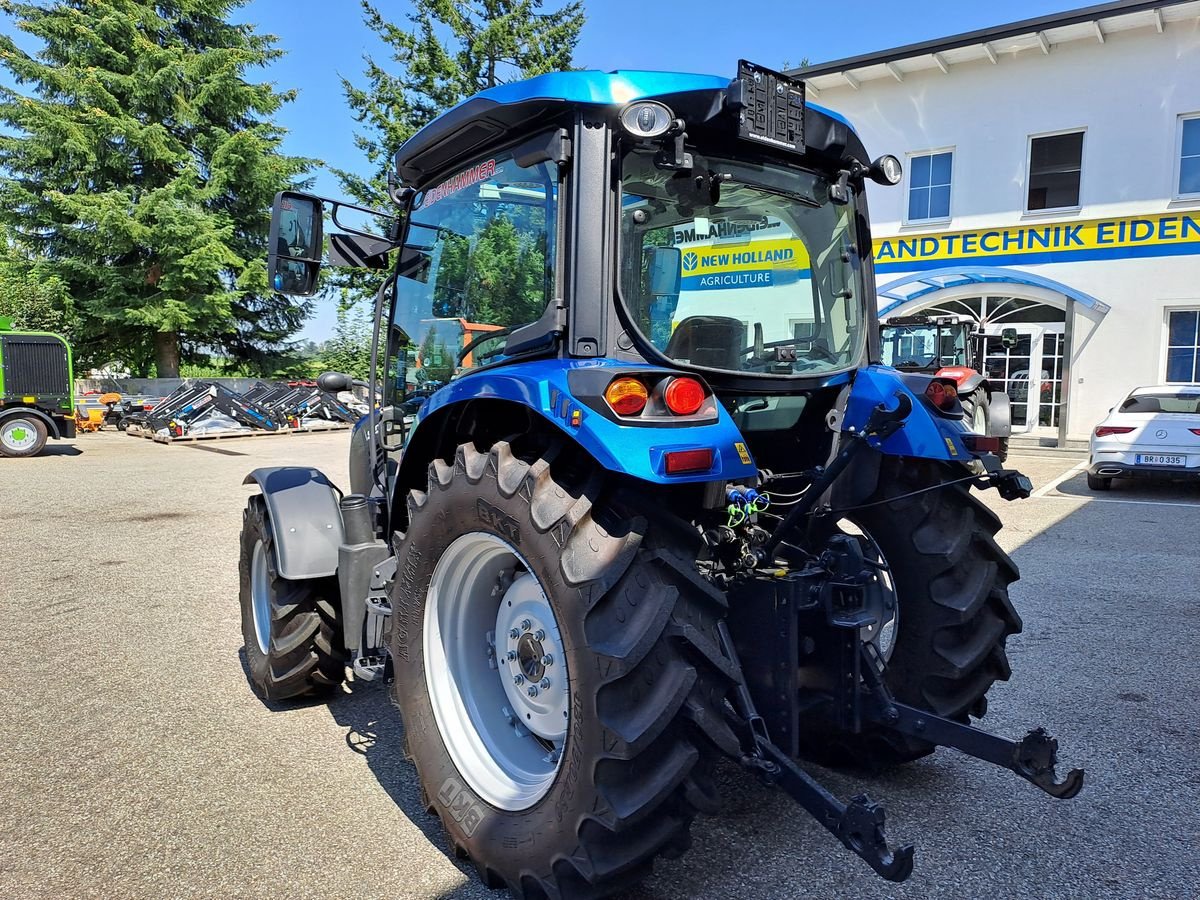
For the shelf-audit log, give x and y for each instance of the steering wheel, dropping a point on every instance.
(814, 350)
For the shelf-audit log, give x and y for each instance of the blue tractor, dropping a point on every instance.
(638, 494)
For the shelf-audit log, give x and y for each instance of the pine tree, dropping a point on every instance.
(453, 50)
(139, 164)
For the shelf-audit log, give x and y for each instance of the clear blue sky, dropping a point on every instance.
(325, 39)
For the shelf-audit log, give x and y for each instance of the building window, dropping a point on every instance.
(929, 186)
(1183, 346)
(1055, 162)
(1189, 156)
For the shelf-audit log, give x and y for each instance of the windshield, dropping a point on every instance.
(740, 266)
(923, 346)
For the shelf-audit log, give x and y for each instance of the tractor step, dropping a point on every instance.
(368, 668)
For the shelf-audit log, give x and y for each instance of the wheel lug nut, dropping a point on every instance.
(547, 660)
(511, 655)
(545, 684)
(518, 679)
(514, 634)
(526, 624)
(533, 691)
(539, 635)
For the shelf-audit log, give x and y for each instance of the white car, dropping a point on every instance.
(1154, 432)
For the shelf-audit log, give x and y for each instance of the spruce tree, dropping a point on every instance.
(139, 163)
(450, 51)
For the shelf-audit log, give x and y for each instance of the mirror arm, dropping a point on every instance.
(333, 215)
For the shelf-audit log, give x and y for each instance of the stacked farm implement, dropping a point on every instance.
(206, 409)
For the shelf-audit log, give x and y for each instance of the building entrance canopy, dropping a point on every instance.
(903, 291)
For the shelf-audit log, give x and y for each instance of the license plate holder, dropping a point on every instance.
(1160, 459)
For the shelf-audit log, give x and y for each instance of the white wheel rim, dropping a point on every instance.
(887, 608)
(502, 720)
(979, 420)
(260, 595)
(18, 434)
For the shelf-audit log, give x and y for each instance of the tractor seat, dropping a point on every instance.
(712, 341)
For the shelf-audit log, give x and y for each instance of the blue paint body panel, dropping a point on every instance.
(637, 451)
(925, 434)
(582, 88)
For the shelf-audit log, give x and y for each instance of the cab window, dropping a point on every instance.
(478, 263)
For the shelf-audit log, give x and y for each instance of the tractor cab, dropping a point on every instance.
(641, 492)
(929, 343)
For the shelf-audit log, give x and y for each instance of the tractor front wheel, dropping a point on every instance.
(557, 668)
(977, 413)
(22, 436)
(291, 628)
(945, 643)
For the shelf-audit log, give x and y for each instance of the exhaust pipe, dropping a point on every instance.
(1109, 471)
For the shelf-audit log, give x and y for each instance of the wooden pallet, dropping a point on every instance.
(230, 435)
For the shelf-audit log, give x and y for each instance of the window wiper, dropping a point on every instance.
(716, 179)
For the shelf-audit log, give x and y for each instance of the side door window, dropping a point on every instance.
(478, 263)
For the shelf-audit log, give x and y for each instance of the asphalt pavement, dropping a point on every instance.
(135, 762)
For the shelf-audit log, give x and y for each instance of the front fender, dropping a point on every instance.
(634, 450)
(306, 523)
(925, 434)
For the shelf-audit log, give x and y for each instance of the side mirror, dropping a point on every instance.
(334, 382)
(1008, 337)
(295, 243)
(663, 267)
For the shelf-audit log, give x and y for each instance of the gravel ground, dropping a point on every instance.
(135, 762)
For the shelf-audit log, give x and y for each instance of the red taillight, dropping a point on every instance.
(679, 462)
(1195, 431)
(979, 443)
(626, 396)
(942, 394)
(1106, 430)
(684, 396)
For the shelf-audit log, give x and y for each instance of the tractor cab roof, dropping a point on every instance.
(511, 111)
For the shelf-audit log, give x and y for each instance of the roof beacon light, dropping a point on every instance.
(647, 119)
(886, 170)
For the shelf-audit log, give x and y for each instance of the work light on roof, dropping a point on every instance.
(886, 170)
(646, 119)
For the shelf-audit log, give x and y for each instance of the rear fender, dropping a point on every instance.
(925, 434)
(541, 387)
(53, 427)
(999, 415)
(306, 522)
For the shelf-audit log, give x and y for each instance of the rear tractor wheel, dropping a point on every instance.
(558, 671)
(977, 412)
(291, 629)
(946, 613)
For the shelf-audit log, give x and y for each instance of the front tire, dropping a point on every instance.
(620, 599)
(951, 580)
(22, 436)
(291, 629)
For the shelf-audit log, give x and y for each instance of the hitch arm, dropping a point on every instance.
(858, 824)
(1033, 757)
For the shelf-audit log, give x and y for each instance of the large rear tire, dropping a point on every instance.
(581, 809)
(291, 629)
(951, 580)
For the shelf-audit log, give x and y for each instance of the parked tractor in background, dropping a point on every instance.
(37, 399)
(677, 511)
(952, 350)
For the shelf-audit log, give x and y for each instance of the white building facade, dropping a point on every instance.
(1052, 185)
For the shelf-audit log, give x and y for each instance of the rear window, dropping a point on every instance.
(1165, 403)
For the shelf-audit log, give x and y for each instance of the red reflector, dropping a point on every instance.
(684, 396)
(942, 394)
(680, 461)
(1105, 430)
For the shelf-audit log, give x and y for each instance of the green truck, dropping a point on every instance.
(36, 397)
